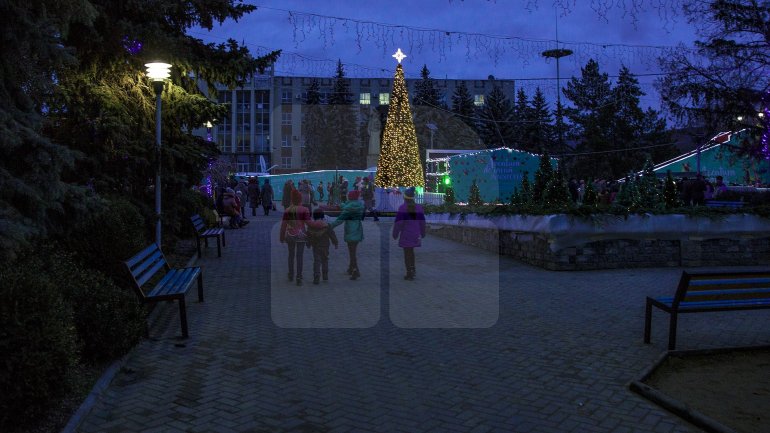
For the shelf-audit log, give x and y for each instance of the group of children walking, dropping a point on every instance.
(298, 231)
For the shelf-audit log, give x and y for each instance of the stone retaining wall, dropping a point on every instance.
(535, 249)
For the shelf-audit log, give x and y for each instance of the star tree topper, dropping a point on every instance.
(399, 56)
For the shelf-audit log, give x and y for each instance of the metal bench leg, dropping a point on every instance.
(219, 248)
(198, 243)
(200, 287)
(647, 322)
(183, 317)
(206, 241)
(672, 331)
(223, 239)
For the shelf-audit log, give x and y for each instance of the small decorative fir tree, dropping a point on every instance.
(516, 198)
(557, 193)
(526, 189)
(589, 196)
(449, 195)
(647, 194)
(627, 193)
(474, 198)
(543, 177)
(670, 193)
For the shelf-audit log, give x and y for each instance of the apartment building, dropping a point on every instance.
(265, 121)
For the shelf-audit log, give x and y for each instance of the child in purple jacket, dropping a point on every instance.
(409, 229)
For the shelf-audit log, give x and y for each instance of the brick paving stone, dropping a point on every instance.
(477, 341)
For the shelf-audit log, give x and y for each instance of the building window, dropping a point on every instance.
(365, 99)
(224, 129)
(302, 142)
(478, 100)
(384, 98)
(285, 118)
(325, 97)
(286, 97)
(285, 141)
(243, 121)
(304, 162)
(286, 162)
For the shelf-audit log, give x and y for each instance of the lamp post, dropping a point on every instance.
(557, 54)
(157, 72)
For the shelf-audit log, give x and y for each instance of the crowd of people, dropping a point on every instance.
(303, 227)
(692, 192)
(304, 224)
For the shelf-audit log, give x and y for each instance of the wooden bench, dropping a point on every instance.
(728, 204)
(173, 284)
(707, 292)
(203, 232)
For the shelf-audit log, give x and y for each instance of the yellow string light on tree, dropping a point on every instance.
(399, 161)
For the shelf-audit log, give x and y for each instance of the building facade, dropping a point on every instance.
(265, 120)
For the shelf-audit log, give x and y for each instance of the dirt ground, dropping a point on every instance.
(732, 388)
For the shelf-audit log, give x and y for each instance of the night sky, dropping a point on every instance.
(459, 39)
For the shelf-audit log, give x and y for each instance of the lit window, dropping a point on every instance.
(285, 141)
(478, 100)
(365, 99)
(285, 118)
(384, 98)
(286, 162)
(286, 96)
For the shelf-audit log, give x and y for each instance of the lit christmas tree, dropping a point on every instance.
(399, 162)
(670, 193)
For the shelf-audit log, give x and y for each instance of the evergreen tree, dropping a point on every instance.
(543, 177)
(474, 196)
(522, 117)
(449, 195)
(496, 127)
(648, 196)
(539, 135)
(313, 94)
(591, 117)
(627, 195)
(462, 105)
(85, 89)
(589, 197)
(426, 91)
(526, 189)
(516, 198)
(341, 91)
(557, 194)
(399, 163)
(670, 193)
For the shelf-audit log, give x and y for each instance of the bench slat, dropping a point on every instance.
(150, 273)
(141, 255)
(174, 282)
(724, 303)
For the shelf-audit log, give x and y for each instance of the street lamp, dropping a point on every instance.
(157, 72)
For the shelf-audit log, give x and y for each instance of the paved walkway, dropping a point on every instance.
(477, 343)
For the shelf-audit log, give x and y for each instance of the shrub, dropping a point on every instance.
(109, 320)
(109, 236)
(37, 341)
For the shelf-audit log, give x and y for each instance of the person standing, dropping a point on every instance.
(307, 193)
(367, 193)
(253, 194)
(266, 196)
(319, 236)
(294, 233)
(320, 190)
(352, 210)
(409, 229)
(288, 187)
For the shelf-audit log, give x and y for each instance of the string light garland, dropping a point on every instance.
(495, 47)
(399, 161)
